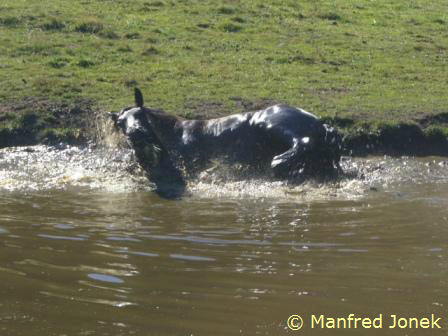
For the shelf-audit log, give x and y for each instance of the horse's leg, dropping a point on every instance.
(284, 163)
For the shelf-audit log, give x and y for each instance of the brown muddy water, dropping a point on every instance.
(86, 248)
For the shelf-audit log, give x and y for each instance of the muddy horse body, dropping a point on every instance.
(291, 141)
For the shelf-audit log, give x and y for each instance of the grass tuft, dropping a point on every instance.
(109, 34)
(226, 10)
(231, 27)
(132, 36)
(10, 21)
(85, 63)
(130, 83)
(331, 16)
(59, 62)
(154, 4)
(238, 19)
(125, 49)
(53, 24)
(151, 51)
(436, 133)
(203, 25)
(89, 27)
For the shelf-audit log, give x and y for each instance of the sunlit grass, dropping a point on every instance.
(368, 60)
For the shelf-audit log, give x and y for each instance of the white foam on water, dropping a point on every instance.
(113, 169)
(364, 176)
(45, 167)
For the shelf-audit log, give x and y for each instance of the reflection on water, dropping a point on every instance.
(100, 256)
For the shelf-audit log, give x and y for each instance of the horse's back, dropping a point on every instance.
(285, 119)
(231, 123)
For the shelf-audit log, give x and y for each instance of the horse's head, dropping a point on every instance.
(131, 119)
(134, 124)
(138, 124)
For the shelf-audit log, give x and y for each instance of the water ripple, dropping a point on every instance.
(202, 240)
(114, 303)
(190, 257)
(61, 237)
(105, 278)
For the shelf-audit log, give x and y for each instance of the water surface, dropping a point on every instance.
(87, 248)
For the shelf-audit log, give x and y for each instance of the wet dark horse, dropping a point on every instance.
(290, 141)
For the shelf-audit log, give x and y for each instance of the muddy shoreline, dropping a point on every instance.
(35, 121)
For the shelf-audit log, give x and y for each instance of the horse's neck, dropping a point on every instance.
(164, 126)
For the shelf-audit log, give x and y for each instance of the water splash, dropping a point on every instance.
(44, 167)
(114, 169)
(364, 176)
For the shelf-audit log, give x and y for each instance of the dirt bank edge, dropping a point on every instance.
(32, 121)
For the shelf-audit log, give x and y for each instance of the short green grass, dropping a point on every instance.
(365, 60)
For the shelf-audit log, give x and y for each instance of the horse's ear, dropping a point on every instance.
(138, 97)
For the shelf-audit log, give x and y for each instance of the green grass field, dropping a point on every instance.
(365, 60)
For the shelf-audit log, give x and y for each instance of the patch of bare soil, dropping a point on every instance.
(33, 120)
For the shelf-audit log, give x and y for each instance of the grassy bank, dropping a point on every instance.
(368, 66)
